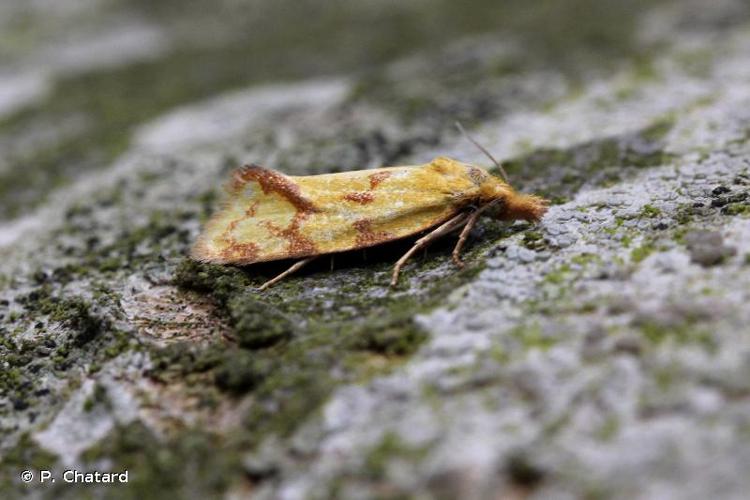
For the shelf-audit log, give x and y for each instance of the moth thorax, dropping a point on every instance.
(493, 189)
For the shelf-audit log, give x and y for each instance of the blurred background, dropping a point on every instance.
(78, 76)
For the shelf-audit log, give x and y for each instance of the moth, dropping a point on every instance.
(271, 216)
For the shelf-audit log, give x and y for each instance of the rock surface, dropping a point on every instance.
(604, 353)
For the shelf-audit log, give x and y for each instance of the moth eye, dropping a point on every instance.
(477, 176)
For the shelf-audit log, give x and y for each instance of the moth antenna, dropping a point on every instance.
(483, 150)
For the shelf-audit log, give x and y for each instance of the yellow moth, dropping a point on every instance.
(271, 216)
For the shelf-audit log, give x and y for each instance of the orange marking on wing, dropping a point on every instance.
(366, 236)
(377, 178)
(235, 251)
(363, 198)
(271, 181)
(227, 235)
(299, 244)
(239, 252)
(252, 209)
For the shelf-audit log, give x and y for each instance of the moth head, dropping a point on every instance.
(523, 206)
(508, 204)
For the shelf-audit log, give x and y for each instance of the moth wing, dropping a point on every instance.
(364, 208)
(270, 216)
(259, 216)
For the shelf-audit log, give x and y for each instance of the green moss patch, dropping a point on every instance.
(650, 211)
(89, 340)
(640, 253)
(686, 333)
(158, 467)
(602, 162)
(25, 455)
(290, 349)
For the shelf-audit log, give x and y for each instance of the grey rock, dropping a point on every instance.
(707, 247)
(600, 353)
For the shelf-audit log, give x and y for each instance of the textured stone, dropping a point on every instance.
(601, 353)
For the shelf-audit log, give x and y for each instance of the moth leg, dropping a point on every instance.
(422, 242)
(294, 268)
(470, 223)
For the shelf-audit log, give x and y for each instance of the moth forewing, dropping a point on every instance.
(270, 216)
